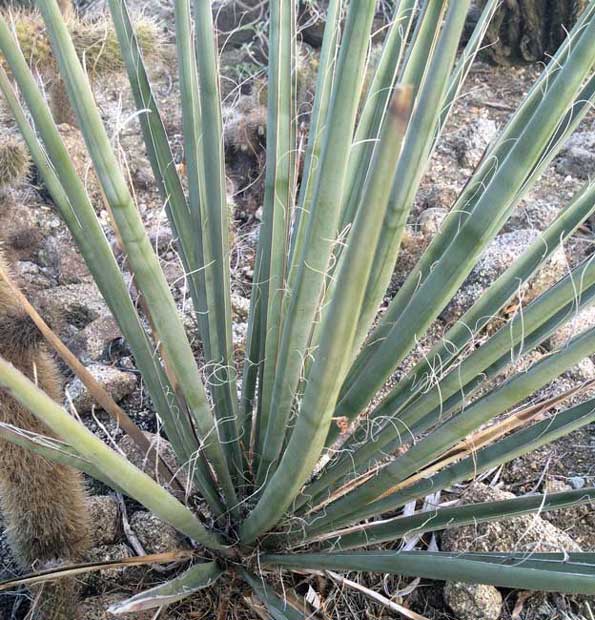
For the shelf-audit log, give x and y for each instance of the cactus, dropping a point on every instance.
(43, 503)
(95, 41)
(245, 126)
(14, 162)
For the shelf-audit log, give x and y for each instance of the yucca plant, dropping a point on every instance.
(285, 489)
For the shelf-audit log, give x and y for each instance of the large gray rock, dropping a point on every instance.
(75, 304)
(578, 323)
(153, 534)
(524, 533)
(473, 601)
(107, 579)
(238, 21)
(501, 254)
(579, 521)
(312, 20)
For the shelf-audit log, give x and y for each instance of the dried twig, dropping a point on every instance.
(72, 570)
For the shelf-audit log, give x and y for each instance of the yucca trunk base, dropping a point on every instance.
(527, 31)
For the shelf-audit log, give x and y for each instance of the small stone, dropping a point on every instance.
(239, 332)
(576, 482)
(126, 362)
(117, 383)
(153, 534)
(161, 236)
(240, 307)
(583, 371)
(97, 336)
(472, 140)
(533, 213)
(552, 485)
(142, 178)
(105, 518)
(473, 601)
(431, 219)
(578, 157)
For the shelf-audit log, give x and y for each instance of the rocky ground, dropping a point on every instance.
(55, 278)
